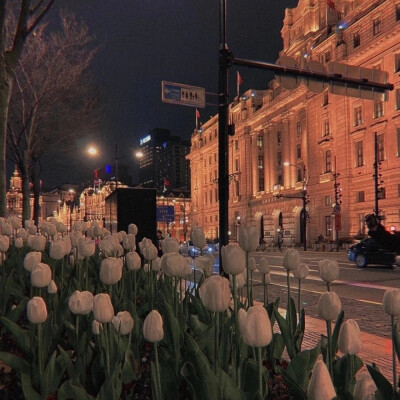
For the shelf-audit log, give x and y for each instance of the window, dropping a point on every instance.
(327, 56)
(279, 158)
(397, 62)
(328, 161)
(210, 196)
(328, 226)
(280, 180)
(326, 131)
(261, 181)
(260, 141)
(209, 159)
(398, 141)
(299, 175)
(260, 162)
(236, 145)
(237, 193)
(376, 25)
(205, 198)
(236, 164)
(328, 200)
(298, 128)
(298, 151)
(278, 136)
(378, 108)
(381, 193)
(398, 190)
(359, 154)
(381, 150)
(215, 157)
(360, 197)
(358, 115)
(397, 99)
(356, 39)
(325, 100)
(216, 196)
(398, 12)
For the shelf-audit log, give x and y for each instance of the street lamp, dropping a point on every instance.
(304, 200)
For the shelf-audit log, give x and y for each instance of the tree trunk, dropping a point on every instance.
(5, 93)
(36, 191)
(26, 191)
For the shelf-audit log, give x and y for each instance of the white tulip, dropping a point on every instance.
(291, 259)
(97, 327)
(204, 264)
(329, 306)
(111, 270)
(215, 293)
(233, 259)
(103, 309)
(123, 322)
(301, 271)
(57, 250)
(52, 288)
(81, 302)
(320, 386)
(40, 275)
(252, 264)
(86, 247)
(364, 388)
(153, 330)
(132, 229)
(197, 236)
(391, 302)
(38, 243)
(170, 245)
(31, 259)
(249, 238)
(4, 243)
(349, 340)
(328, 270)
(19, 243)
(129, 242)
(150, 252)
(133, 261)
(256, 327)
(264, 267)
(36, 310)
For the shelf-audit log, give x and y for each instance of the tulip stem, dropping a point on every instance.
(216, 342)
(134, 293)
(259, 368)
(158, 383)
(62, 274)
(236, 348)
(87, 273)
(40, 356)
(298, 298)
(393, 357)
(107, 345)
(288, 288)
(329, 358)
(247, 280)
(251, 288)
(328, 286)
(265, 291)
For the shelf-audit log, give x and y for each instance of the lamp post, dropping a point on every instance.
(304, 201)
(337, 206)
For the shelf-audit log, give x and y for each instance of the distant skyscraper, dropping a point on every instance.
(163, 165)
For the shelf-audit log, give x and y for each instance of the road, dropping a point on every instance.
(360, 290)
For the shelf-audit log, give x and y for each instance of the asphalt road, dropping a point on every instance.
(360, 290)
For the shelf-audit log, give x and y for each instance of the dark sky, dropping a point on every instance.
(145, 42)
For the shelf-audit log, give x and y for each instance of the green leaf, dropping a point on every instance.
(53, 373)
(385, 389)
(228, 387)
(111, 388)
(299, 334)
(72, 390)
(27, 388)
(172, 334)
(299, 369)
(286, 334)
(291, 316)
(20, 335)
(277, 346)
(170, 382)
(249, 378)
(295, 389)
(16, 363)
(335, 333)
(69, 365)
(344, 372)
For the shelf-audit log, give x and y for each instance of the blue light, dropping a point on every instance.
(164, 145)
(108, 169)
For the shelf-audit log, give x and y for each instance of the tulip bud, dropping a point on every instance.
(132, 229)
(391, 302)
(257, 331)
(233, 259)
(320, 386)
(67, 245)
(301, 271)
(153, 330)
(6, 229)
(156, 265)
(123, 322)
(329, 306)
(51, 230)
(268, 279)
(14, 221)
(107, 246)
(40, 275)
(204, 264)
(31, 259)
(150, 252)
(57, 250)
(32, 230)
(81, 302)
(22, 233)
(103, 309)
(170, 245)
(263, 267)
(79, 226)
(97, 327)
(36, 310)
(328, 270)
(96, 230)
(52, 288)
(4, 243)
(291, 259)
(145, 242)
(86, 247)
(174, 264)
(74, 237)
(249, 238)
(129, 242)
(242, 314)
(364, 388)
(349, 341)
(61, 228)
(240, 281)
(19, 243)
(252, 264)
(119, 250)
(197, 236)
(111, 270)
(29, 223)
(38, 243)
(215, 293)
(133, 261)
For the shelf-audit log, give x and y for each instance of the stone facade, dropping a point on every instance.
(320, 135)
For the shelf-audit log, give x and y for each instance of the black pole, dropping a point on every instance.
(304, 209)
(223, 183)
(376, 175)
(116, 165)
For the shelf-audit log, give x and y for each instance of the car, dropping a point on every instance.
(368, 251)
(187, 249)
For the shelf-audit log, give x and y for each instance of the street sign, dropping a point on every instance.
(165, 214)
(185, 95)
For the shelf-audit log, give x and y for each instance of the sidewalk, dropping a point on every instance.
(375, 349)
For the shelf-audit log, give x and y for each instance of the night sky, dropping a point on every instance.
(143, 43)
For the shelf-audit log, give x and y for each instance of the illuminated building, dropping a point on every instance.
(329, 136)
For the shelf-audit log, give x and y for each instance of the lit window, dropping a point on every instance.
(328, 161)
(328, 200)
(398, 12)
(236, 164)
(378, 108)
(381, 150)
(261, 181)
(236, 145)
(326, 131)
(381, 193)
(278, 136)
(328, 226)
(260, 141)
(397, 99)
(398, 141)
(298, 128)
(260, 162)
(325, 100)
(327, 56)
(358, 115)
(397, 62)
(376, 26)
(279, 158)
(298, 151)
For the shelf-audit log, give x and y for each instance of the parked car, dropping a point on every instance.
(187, 249)
(368, 252)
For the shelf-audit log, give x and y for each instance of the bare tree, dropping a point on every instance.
(53, 100)
(28, 15)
